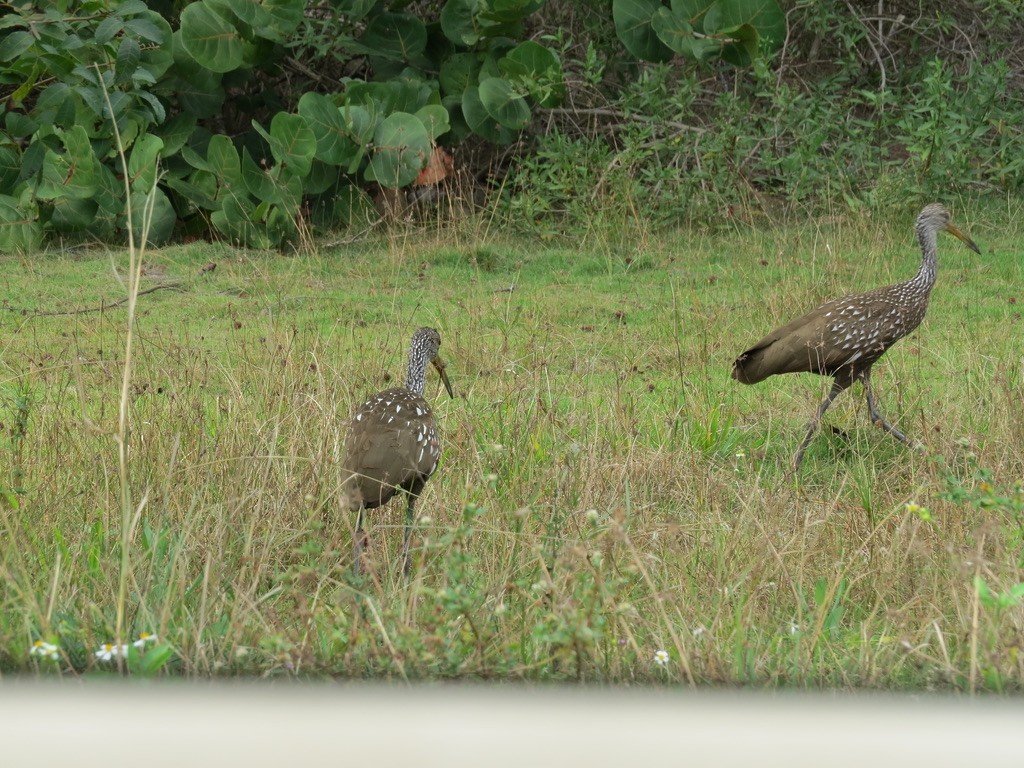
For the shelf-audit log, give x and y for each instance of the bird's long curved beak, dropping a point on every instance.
(957, 233)
(439, 364)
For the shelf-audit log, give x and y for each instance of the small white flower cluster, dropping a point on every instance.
(661, 658)
(44, 650)
(109, 651)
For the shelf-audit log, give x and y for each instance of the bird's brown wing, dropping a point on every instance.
(392, 443)
(846, 332)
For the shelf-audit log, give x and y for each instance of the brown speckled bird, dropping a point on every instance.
(845, 337)
(393, 442)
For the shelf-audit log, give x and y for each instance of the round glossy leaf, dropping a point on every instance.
(457, 22)
(480, 121)
(458, 72)
(691, 11)
(175, 132)
(333, 144)
(530, 59)
(294, 144)
(286, 15)
(745, 45)
(71, 215)
(354, 10)
(198, 89)
(10, 167)
(160, 217)
(765, 16)
(503, 103)
(238, 223)
(210, 39)
(18, 233)
(633, 26)
(222, 160)
(257, 181)
(509, 11)
(359, 123)
(321, 178)
(109, 194)
(539, 69)
(396, 35)
(158, 57)
(401, 147)
(71, 173)
(435, 119)
(674, 31)
(142, 162)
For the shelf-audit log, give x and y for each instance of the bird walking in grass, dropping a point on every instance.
(393, 442)
(845, 337)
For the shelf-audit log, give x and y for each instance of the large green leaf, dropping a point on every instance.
(633, 26)
(504, 104)
(458, 24)
(10, 167)
(745, 45)
(480, 121)
(764, 16)
(257, 181)
(197, 89)
(458, 72)
(19, 233)
(401, 147)
(294, 144)
(210, 39)
(328, 126)
(222, 158)
(73, 215)
(539, 69)
(530, 59)
(71, 173)
(396, 35)
(508, 11)
(15, 44)
(129, 53)
(676, 32)
(286, 15)
(237, 221)
(354, 10)
(175, 132)
(321, 178)
(152, 206)
(435, 119)
(158, 57)
(142, 162)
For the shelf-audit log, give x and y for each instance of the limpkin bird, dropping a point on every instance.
(844, 337)
(393, 442)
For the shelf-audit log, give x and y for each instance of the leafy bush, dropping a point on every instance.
(267, 118)
(121, 74)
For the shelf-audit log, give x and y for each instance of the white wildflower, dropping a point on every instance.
(44, 650)
(144, 638)
(109, 651)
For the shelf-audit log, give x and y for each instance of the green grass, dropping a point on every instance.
(606, 489)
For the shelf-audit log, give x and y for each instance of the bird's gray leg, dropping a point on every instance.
(407, 534)
(876, 417)
(812, 427)
(358, 542)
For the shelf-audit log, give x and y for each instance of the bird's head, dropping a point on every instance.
(935, 217)
(427, 342)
